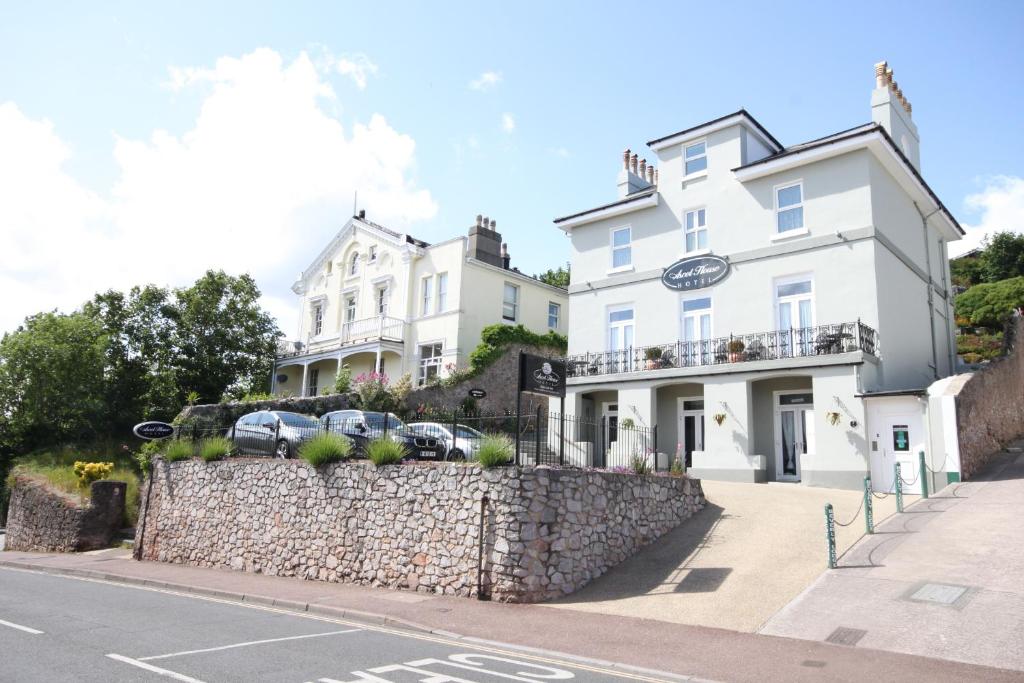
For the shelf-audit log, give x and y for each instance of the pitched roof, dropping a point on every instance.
(743, 113)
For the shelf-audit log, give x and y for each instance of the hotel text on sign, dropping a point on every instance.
(695, 273)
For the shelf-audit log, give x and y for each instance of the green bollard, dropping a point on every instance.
(869, 519)
(899, 488)
(830, 535)
(923, 475)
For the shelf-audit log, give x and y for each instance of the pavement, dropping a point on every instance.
(945, 579)
(752, 550)
(605, 642)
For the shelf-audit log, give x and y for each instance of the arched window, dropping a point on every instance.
(353, 264)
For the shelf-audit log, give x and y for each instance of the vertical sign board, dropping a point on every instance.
(539, 375)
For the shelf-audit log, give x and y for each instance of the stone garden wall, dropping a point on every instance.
(990, 405)
(546, 532)
(43, 520)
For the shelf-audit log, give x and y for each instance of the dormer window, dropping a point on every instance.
(353, 264)
(695, 157)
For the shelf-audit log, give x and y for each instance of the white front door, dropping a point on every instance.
(795, 316)
(896, 437)
(794, 432)
(696, 323)
(691, 428)
(620, 339)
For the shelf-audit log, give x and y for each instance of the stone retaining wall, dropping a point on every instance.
(43, 520)
(546, 532)
(990, 405)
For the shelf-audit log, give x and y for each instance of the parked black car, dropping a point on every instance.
(272, 432)
(362, 426)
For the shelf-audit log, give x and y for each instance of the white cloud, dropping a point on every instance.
(508, 122)
(486, 81)
(262, 180)
(1001, 205)
(358, 67)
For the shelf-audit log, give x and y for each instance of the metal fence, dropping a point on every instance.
(536, 437)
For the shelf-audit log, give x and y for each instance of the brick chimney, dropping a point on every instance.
(485, 242)
(891, 109)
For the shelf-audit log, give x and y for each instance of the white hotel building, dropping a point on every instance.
(801, 346)
(378, 299)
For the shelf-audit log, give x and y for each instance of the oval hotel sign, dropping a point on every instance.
(695, 273)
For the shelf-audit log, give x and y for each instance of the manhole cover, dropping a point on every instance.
(941, 593)
(846, 636)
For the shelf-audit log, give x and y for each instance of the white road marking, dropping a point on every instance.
(26, 629)
(246, 644)
(155, 669)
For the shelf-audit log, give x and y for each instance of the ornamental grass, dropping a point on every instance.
(326, 448)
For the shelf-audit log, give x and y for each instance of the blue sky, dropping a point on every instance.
(152, 124)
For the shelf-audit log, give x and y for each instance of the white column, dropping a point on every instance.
(728, 446)
(376, 364)
(305, 378)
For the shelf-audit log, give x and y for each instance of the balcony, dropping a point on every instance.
(380, 328)
(822, 340)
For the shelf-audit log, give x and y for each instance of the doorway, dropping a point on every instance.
(896, 436)
(794, 432)
(691, 427)
(794, 309)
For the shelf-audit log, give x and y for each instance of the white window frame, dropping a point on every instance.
(381, 300)
(608, 325)
(693, 296)
(372, 253)
(704, 156)
(515, 303)
(697, 249)
(611, 243)
(426, 294)
(353, 264)
(312, 386)
(318, 319)
(427, 362)
(795, 232)
(442, 292)
(354, 308)
(557, 315)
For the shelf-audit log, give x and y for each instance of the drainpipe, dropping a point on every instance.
(928, 285)
(948, 286)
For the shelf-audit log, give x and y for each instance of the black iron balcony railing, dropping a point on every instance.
(741, 348)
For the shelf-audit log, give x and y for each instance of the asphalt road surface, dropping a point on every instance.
(55, 628)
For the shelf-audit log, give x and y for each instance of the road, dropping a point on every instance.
(55, 628)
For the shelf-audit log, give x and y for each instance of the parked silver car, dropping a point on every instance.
(278, 433)
(462, 446)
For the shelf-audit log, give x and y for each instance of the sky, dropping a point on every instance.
(148, 142)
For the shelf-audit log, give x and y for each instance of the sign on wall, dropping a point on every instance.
(477, 393)
(153, 430)
(541, 375)
(696, 272)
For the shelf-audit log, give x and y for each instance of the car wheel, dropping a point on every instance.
(282, 451)
(456, 455)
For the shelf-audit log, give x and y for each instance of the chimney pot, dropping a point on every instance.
(479, 219)
(632, 163)
(910, 109)
(880, 74)
(625, 159)
(362, 213)
(650, 174)
(494, 224)
(655, 176)
(643, 168)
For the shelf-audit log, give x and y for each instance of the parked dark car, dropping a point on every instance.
(362, 426)
(278, 433)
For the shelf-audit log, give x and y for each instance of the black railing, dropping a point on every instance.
(741, 348)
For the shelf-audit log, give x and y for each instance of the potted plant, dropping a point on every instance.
(833, 418)
(719, 418)
(653, 356)
(736, 347)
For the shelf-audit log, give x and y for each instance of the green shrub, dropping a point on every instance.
(215, 448)
(178, 449)
(343, 380)
(144, 456)
(638, 463)
(326, 448)
(88, 472)
(677, 469)
(495, 450)
(495, 338)
(384, 452)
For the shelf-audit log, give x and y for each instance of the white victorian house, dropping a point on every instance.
(777, 312)
(376, 299)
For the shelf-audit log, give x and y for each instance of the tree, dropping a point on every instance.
(222, 340)
(556, 278)
(52, 381)
(1003, 257)
(967, 271)
(990, 303)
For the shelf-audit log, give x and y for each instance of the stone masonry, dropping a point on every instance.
(43, 520)
(547, 532)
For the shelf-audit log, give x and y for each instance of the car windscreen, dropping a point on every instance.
(376, 421)
(296, 420)
(468, 432)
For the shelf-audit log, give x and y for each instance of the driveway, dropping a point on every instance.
(752, 550)
(946, 579)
